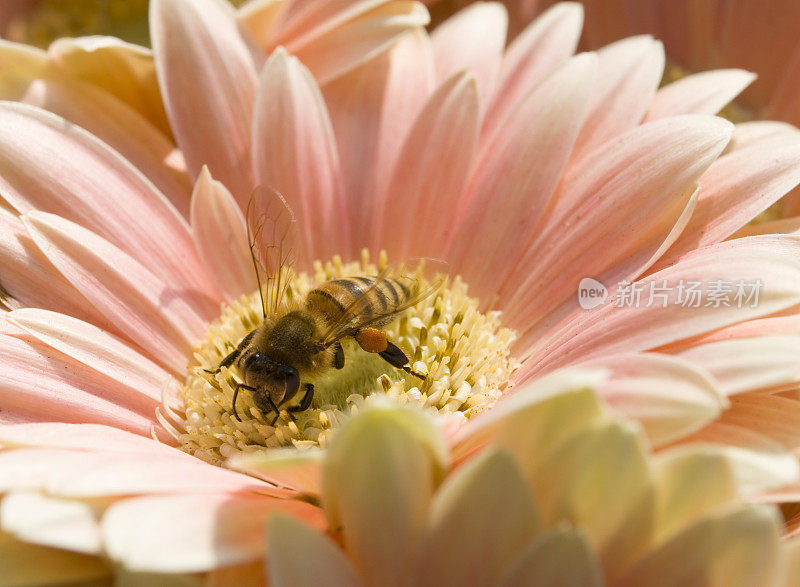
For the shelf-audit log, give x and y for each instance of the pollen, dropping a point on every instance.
(464, 355)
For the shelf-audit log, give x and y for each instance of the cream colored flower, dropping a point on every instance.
(555, 491)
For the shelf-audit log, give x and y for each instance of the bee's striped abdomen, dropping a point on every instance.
(356, 297)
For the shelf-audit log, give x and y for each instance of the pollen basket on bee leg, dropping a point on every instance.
(372, 340)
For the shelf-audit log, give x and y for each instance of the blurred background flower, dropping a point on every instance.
(39, 22)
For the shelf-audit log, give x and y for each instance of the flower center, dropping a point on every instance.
(464, 354)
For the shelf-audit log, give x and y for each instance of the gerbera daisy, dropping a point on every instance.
(558, 168)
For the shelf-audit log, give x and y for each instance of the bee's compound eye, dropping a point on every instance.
(257, 361)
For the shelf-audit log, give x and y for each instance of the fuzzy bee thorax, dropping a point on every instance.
(291, 340)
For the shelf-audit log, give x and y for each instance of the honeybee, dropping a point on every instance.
(291, 345)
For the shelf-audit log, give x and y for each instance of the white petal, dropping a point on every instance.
(600, 481)
(561, 556)
(737, 548)
(691, 482)
(378, 481)
(485, 507)
(535, 417)
(192, 533)
(300, 556)
(287, 467)
(68, 524)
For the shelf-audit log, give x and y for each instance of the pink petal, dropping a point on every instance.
(94, 348)
(31, 280)
(80, 437)
(423, 191)
(736, 188)
(127, 469)
(48, 164)
(473, 39)
(261, 18)
(42, 384)
(628, 75)
(207, 74)
(106, 117)
(372, 109)
(515, 175)
(302, 20)
(295, 153)
(701, 93)
(356, 41)
(772, 260)
(773, 416)
(662, 160)
(151, 313)
(784, 322)
(671, 397)
(759, 132)
(193, 533)
(99, 474)
(749, 364)
(542, 47)
(220, 235)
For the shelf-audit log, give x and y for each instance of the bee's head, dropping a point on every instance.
(280, 381)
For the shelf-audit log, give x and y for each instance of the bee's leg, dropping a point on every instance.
(373, 340)
(228, 361)
(269, 405)
(273, 407)
(338, 357)
(265, 403)
(397, 358)
(305, 403)
(236, 394)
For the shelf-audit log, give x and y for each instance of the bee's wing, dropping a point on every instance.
(354, 318)
(272, 234)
